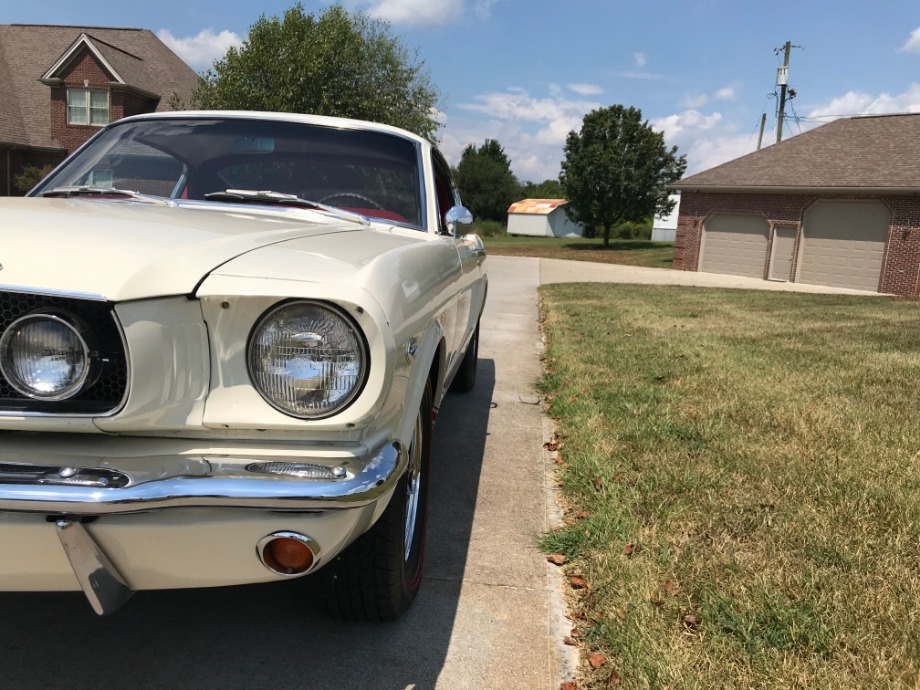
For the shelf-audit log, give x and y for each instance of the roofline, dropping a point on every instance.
(30, 147)
(760, 189)
(70, 53)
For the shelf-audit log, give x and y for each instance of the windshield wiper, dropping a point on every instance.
(71, 191)
(270, 198)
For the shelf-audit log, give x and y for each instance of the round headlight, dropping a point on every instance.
(44, 356)
(308, 360)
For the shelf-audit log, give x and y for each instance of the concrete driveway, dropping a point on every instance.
(488, 616)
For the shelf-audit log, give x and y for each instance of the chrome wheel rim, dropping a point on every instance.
(413, 486)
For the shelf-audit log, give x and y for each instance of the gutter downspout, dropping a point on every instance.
(9, 173)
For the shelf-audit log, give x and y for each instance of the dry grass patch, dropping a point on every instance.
(750, 463)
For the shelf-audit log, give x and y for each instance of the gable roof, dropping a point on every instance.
(542, 207)
(880, 153)
(29, 53)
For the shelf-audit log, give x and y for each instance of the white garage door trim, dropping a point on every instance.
(843, 244)
(734, 244)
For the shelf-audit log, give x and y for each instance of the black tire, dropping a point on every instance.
(377, 577)
(466, 375)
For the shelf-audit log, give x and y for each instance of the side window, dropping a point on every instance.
(444, 188)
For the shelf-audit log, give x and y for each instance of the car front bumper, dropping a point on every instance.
(82, 512)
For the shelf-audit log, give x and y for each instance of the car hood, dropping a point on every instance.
(126, 249)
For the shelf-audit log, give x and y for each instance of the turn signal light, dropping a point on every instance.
(288, 553)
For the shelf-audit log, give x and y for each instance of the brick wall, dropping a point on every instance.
(86, 73)
(901, 270)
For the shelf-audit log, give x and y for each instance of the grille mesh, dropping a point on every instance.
(106, 393)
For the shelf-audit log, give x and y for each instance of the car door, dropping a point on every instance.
(470, 252)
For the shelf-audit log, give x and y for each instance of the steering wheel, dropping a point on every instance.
(350, 195)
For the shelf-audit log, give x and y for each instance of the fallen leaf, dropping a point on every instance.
(572, 398)
(670, 587)
(556, 559)
(583, 514)
(574, 632)
(628, 549)
(598, 483)
(571, 642)
(569, 520)
(568, 685)
(597, 660)
(691, 621)
(559, 460)
(551, 445)
(619, 613)
(558, 529)
(614, 679)
(579, 582)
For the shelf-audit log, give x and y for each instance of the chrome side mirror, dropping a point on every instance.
(457, 215)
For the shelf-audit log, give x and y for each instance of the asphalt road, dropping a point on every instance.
(487, 615)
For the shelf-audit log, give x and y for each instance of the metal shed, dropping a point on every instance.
(541, 218)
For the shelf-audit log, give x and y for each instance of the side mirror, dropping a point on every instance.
(457, 215)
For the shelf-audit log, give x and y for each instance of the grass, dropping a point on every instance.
(742, 472)
(630, 252)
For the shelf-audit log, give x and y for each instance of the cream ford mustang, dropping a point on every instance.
(224, 337)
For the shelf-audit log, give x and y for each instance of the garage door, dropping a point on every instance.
(843, 244)
(734, 243)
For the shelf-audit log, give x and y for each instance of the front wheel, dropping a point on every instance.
(378, 576)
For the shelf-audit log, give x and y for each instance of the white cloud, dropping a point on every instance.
(857, 103)
(688, 121)
(726, 93)
(586, 89)
(629, 74)
(641, 59)
(912, 45)
(694, 101)
(425, 12)
(531, 129)
(201, 50)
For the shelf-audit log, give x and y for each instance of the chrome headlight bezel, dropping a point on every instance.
(362, 352)
(84, 339)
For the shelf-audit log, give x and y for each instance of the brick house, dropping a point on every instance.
(59, 84)
(838, 205)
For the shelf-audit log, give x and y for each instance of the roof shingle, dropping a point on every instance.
(27, 51)
(879, 152)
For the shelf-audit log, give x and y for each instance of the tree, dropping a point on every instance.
(339, 64)
(487, 185)
(616, 169)
(31, 175)
(548, 189)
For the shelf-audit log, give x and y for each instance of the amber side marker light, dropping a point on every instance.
(288, 553)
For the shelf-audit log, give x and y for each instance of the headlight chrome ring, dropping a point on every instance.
(46, 356)
(307, 359)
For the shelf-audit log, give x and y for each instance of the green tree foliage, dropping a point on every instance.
(616, 169)
(30, 176)
(487, 185)
(548, 189)
(337, 63)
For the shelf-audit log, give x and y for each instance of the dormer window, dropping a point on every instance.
(87, 107)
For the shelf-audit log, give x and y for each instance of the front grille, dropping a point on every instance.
(107, 391)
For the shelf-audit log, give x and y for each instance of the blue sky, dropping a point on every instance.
(525, 72)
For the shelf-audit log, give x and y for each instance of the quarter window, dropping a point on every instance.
(87, 107)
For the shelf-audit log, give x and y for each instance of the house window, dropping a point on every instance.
(87, 107)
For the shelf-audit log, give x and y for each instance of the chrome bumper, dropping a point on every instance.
(62, 485)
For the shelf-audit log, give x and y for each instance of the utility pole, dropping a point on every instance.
(782, 79)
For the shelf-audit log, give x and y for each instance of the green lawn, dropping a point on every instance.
(631, 252)
(742, 475)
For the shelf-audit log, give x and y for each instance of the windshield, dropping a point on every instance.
(372, 173)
